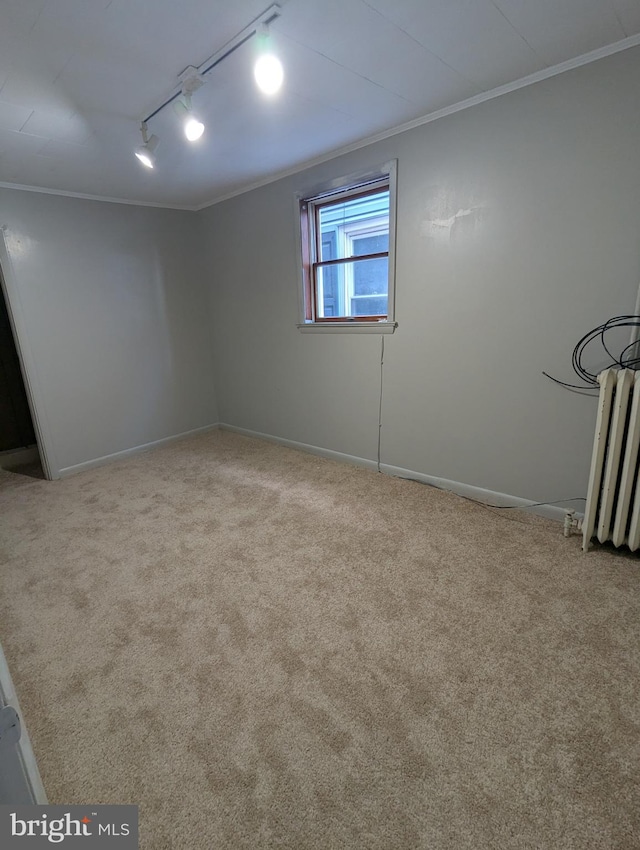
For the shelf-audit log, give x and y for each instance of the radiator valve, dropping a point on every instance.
(571, 522)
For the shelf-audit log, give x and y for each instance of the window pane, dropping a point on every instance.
(329, 240)
(374, 306)
(362, 219)
(370, 244)
(331, 288)
(357, 288)
(330, 292)
(371, 277)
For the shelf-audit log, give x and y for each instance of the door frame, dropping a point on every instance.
(11, 293)
(24, 770)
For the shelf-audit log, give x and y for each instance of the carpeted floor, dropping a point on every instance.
(264, 649)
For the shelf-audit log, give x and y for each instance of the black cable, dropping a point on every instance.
(604, 344)
(626, 348)
(487, 504)
(522, 507)
(599, 333)
(565, 384)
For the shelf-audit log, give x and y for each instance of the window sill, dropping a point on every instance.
(348, 327)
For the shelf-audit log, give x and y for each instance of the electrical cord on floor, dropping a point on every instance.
(624, 360)
(487, 504)
(523, 507)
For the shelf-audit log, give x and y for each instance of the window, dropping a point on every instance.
(347, 254)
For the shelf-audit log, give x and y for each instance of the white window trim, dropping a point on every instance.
(384, 326)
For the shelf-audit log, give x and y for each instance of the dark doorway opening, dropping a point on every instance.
(18, 445)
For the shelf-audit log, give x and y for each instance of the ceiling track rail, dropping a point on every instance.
(230, 47)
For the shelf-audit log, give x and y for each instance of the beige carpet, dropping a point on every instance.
(264, 649)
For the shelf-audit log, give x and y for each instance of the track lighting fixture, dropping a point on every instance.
(268, 70)
(191, 82)
(193, 128)
(191, 124)
(268, 74)
(145, 152)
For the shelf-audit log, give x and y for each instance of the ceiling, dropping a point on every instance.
(77, 77)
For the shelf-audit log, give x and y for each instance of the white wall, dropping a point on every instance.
(550, 248)
(114, 321)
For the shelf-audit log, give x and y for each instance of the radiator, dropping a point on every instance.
(613, 497)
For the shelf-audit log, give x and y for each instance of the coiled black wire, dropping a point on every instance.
(626, 359)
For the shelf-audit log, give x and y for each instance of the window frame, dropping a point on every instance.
(307, 205)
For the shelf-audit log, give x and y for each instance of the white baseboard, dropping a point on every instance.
(101, 461)
(480, 494)
(304, 447)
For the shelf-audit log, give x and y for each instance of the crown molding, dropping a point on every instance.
(20, 187)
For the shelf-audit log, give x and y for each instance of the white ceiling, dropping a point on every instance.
(77, 76)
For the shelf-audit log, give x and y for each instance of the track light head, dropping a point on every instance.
(145, 152)
(193, 127)
(268, 71)
(145, 156)
(191, 80)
